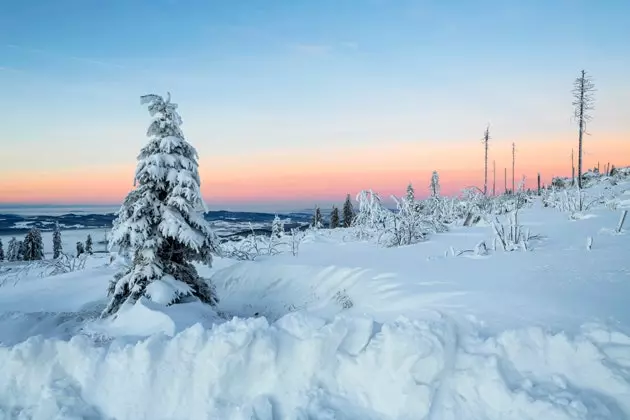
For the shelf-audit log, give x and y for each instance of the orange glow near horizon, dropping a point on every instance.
(312, 176)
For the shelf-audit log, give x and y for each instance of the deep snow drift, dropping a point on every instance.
(345, 330)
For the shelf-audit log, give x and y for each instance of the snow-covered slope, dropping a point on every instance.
(345, 330)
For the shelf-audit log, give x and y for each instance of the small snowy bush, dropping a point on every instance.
(342, 298)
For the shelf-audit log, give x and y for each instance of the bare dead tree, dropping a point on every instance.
(486, 138)
(494, 178)
(505, 179)
(513, 164)
(583, 102)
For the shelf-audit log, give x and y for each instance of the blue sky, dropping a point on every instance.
(261, 76)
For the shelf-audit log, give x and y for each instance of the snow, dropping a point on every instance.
(345, 330)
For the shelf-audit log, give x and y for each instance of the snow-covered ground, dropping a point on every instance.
(344, 330)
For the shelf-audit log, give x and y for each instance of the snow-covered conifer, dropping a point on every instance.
(318, 220)
(348, 212)
(21, 251)
(434, 187)
(161, 222)
(89, 245)
(277, 228)
(33, 248)
(12, 249)
(1, 251)
(334, 218)
(411, 194)
(80, 248)
(57, 247)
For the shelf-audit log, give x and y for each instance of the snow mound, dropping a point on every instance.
(302, 367)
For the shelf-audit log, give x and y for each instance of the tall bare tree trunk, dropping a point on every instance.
(486, 138)
(513, 164)
(494, 178)
(505, 179)
(538, 183)
(583, 89)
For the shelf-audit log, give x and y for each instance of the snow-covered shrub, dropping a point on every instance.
(409, 224)
(80, 248)
(252, 246)
(559, 182)
(511, 235)
(342, 298)
(481, 248)
(161, 222)
(405, 227)
(297, 236)
(371, 219)
(571, 200)
(63, 264)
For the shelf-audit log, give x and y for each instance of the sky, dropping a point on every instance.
(295, 103)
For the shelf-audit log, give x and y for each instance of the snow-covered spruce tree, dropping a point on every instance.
(1, 251)
(57, 247)
(334, 218)
(277, 228)
(12, 249)
(80, 248)
(21, 251)
(33, 247)
(161, 222)
(411, 194)
(89, 245)
(318, 221)
(348, 212)
(434, 186)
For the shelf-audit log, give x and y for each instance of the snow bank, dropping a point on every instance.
(302, 367)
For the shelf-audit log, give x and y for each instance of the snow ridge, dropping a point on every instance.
(245, 369)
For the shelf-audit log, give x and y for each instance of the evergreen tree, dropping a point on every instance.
(277, 228)
(411, 194)
(348, 212)
(161, 222)
(12, 250)
(1, 251)
(80, 248)
(88, 245)
(317, 221)
(57, 247)
(21, 251)
(334, 218)
(434, 187)
(33, 248)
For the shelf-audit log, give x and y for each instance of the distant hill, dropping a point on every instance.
(17, 224)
